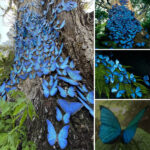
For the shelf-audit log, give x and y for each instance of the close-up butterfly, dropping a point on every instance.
(110, 129)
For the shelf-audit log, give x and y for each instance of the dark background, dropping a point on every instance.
(138, 60)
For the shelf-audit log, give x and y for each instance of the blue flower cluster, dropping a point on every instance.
(38, 54)
(116, 71)
(123, 2)
(122, 26)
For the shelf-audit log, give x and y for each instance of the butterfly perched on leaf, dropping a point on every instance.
(137, 92)
(61, 138)
(110, 129)
(116, 90)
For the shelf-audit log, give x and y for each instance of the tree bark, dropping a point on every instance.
(77, 37)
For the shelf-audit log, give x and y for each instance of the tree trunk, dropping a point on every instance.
(77, 37)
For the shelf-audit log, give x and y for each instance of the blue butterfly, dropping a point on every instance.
(45, 88)
(64, 65)
(71, 91)
(146, 80)
(116, 90)
(61, 137)
(62, 92)
(110, 129)
(69, 107)
(90, 97)
(72, 82)
(53, 89)
(72, 64)
(2, 88)
(59, 116)
(74, 74)
(137, 92)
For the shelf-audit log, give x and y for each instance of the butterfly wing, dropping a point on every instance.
(90, 97)
(71, 91)
(66, 118)
(110, 128)
(58, 114)
(74, 74)
(62, 137)
(69, 107)
(2, 87)
(51, 133)
(130, 131)
(67, 80)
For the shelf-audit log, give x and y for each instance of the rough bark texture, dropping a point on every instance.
(78, 44)
(78, 40)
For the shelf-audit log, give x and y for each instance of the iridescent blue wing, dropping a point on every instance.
(62, 137)
(64, 64)
(51, 136)
(66, 118)
(110, 128)
(53, 90)
(130, 131)
(58, 114)
(90, 97)
(69, 107)
(62, 92)
(72, 82)
(84, 88)
(119, 93)
(24, 76)
(45, 70)
(72, 64)
(115, 89)
(51, 81)
(138, 92)
(71, 91)
(81, 95)
(87, 106)
(45, 88)
(44, 82)
(2, 87)
(73, 74)
(39, 74)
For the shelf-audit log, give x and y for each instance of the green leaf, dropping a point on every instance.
(24, 116)
(19, 108)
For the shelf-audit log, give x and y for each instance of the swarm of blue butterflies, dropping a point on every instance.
(39, 54)
(116, 71)
(123, 26)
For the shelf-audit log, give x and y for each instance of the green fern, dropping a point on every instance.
(12, 117)
(105, 89)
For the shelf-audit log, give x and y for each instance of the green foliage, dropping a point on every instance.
(146, 25)
(12, 117)
(101, 15)
(140, 142)
(105, 89)
(5, 66)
